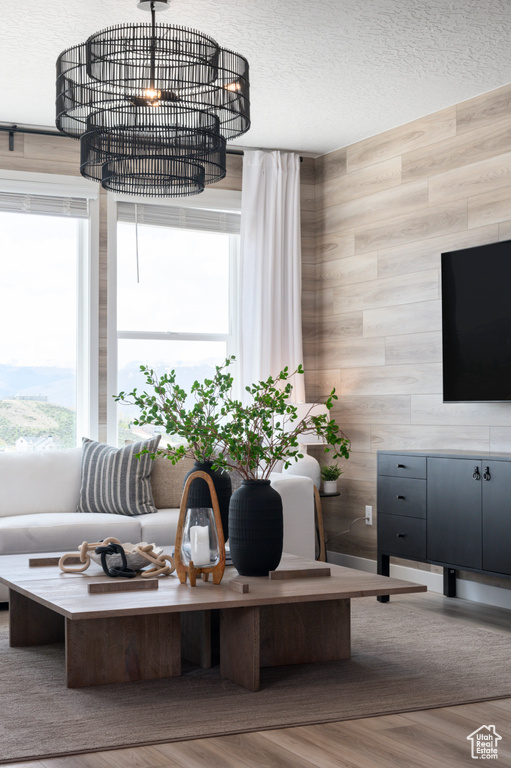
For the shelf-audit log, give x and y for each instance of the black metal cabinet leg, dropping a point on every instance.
(383, 570)
(449, 582)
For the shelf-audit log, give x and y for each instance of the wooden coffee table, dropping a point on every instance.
(129, 636)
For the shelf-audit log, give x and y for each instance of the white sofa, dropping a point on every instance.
(39, 493)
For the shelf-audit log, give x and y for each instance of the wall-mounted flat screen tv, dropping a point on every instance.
(476, 323)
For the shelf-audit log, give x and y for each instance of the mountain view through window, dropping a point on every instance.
(38, 318)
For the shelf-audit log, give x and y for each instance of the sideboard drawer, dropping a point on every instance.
(402, 496)
(402, 536)
(402, 466)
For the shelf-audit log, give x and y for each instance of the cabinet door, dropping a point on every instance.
(497, 517)
(454, 512)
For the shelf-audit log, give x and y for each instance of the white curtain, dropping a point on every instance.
(270, 268)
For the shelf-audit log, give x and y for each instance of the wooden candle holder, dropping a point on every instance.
(184, 571)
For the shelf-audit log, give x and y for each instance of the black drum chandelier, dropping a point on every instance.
(153, 106)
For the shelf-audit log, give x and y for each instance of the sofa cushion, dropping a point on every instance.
(167, 481)
(160, 528)
(115, 481)
(63, 531)
(39, 481)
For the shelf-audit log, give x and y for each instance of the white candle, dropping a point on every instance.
(199, 542)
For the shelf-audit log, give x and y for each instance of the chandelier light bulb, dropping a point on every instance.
(151, 94)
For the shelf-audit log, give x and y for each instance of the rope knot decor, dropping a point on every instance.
(162, 565)
(115, 570)
(158, 561)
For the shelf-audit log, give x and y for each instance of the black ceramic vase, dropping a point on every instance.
(199, 495)
(256, 528)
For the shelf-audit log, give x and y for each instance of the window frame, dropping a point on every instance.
(87, 287)
(209, 200)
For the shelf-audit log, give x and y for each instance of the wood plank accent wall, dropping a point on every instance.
(308, 231)
(386, 208)
(60, 155)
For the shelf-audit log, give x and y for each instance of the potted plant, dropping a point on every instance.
(196, 419)
(330, 474)
(253, 439)
(222, 434)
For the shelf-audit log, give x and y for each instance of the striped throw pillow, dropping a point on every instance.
(114, 481)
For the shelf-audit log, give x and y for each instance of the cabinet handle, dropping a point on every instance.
(401, 466)
(487, 475)
(400, 536)
(476, 474)
(400, 497)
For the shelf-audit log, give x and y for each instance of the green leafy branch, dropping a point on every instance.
(165, 406)
(257, 436)
(251, 438)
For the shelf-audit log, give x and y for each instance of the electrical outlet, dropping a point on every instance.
(369, 515)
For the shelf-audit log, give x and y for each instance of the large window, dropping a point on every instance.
(44, 248)
(175, 296)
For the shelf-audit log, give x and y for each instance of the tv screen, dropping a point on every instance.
(476, 323)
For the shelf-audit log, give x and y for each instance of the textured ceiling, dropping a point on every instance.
(324, 73)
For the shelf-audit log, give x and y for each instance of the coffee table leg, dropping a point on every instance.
(274, 635)
(196, 637)
(304, 633)
(240, 646)
(31, 623)
(122, 649)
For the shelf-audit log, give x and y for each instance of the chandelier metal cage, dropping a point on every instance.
(153, 106)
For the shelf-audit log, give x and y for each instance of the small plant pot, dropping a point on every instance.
(329, 486)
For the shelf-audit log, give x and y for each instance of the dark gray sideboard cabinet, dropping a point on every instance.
(446, 508)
